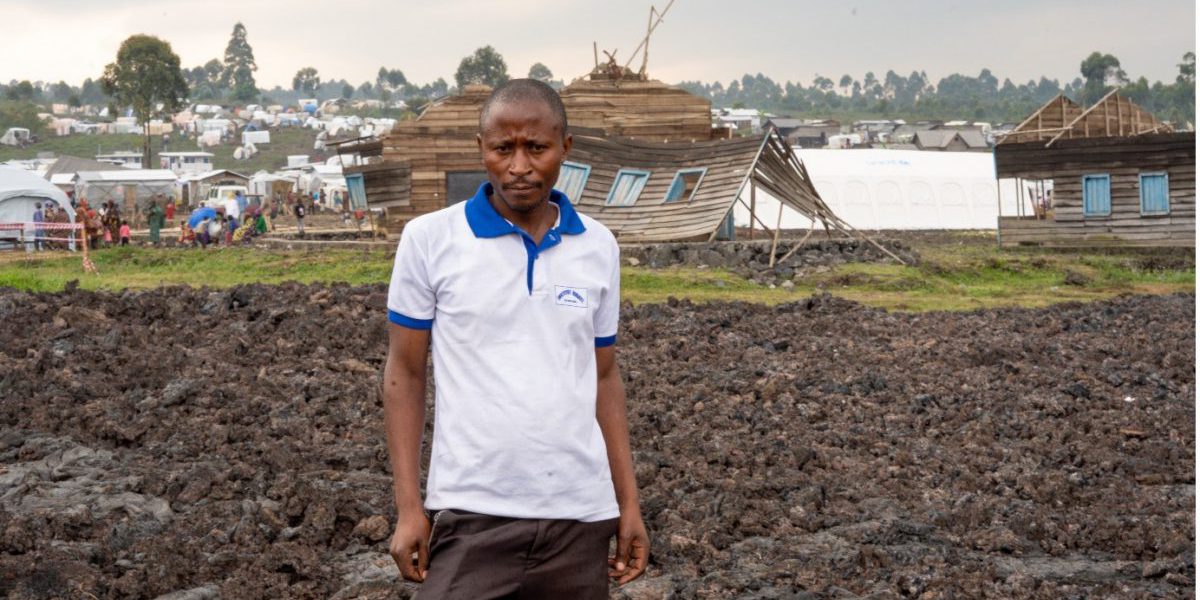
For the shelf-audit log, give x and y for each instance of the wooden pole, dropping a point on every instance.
(754, 218)
(775, 242)
(596, 54)
(752, 206)
(646, 50)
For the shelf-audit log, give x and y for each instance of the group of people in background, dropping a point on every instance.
(224, 229)
(106, 225)
(48, 212)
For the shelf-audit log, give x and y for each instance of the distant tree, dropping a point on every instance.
(485, 66)
(238, 75)
(845, 82)
(73, 101)
(366, 90)
(61, 91)
(823, 83)
(540, 72)
(306, 80)
(21, 92)
(1187, 69)
(91, 93)
(145, 74)
(347, 91)
(19, 114)
(390, 79)
(1099, 72)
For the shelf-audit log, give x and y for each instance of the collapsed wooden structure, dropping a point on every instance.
(666, 185)
(1108, 175)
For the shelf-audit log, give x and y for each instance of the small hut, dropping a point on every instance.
(1108, 175)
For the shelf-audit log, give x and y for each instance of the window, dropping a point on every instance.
(462, 185)
(571, 179)
(684, 186)
(1156, 199)
(1096, 198)
(627, 186)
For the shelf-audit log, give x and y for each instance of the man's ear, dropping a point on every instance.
(479, 142)
(568, 140)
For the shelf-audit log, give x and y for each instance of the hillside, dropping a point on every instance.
(284, 141)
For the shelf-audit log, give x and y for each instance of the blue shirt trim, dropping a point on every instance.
(409, 322)
(604, 342)
(485, 222)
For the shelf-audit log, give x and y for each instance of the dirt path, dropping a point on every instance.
(228, 444)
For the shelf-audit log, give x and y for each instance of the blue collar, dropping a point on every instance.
(485, 222)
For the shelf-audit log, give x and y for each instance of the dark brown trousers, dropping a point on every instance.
(480, 557)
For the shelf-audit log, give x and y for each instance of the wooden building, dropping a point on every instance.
(1108, 175)
(670, 184)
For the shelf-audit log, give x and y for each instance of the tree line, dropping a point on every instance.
(983, 97)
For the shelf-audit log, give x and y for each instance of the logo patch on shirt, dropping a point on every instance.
(570, 296)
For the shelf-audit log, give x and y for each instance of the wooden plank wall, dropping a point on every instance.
(645, 110)
(1122, 158)
(649, 218)
(441, 140)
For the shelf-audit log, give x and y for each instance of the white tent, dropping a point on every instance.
(898, 189)
(20, 193)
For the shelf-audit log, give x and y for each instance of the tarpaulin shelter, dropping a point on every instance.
(131, 189)
(20, 193)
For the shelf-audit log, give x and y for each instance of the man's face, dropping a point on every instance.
(523, 148)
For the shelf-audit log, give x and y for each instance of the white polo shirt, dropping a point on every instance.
(514, 331)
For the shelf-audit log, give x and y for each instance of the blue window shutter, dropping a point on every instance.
(357, 189)
(1155, 195)
(1096, 195)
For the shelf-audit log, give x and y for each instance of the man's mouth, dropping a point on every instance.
(520, 187)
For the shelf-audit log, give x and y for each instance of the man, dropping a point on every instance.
(38, 233)
(532, 473)
(298, 210)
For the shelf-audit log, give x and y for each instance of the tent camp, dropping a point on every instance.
(20, 193)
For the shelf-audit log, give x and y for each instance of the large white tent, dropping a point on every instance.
(20, 193)
(898, 189)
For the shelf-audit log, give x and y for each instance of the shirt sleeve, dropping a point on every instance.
(606, 318)
(411, 300)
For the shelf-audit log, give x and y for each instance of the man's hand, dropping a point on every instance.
(411, 536)
(633, 548)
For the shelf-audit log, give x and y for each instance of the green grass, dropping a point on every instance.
(951, 276)
(140, 268)
(284, 141)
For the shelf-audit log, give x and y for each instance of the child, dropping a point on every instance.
(124, 232)
(187, 237)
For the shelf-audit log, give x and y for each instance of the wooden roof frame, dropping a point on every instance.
(1130, 120)
(1112, 102)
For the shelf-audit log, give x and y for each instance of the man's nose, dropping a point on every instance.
(520, 163)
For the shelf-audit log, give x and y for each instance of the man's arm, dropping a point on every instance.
(633, 544)
(404, 420)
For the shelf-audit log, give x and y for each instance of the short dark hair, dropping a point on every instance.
(525, 90)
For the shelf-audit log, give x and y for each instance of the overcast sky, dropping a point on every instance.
(699, 40)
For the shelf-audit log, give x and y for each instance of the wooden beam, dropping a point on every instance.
(753, 205)
(775, 242)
